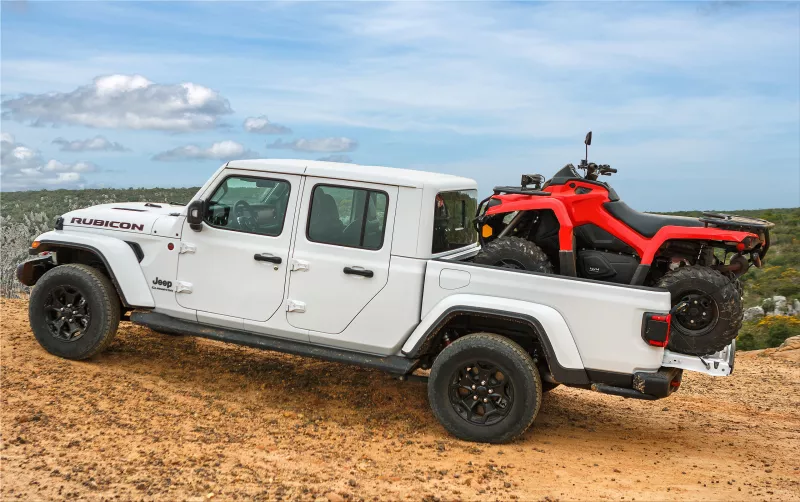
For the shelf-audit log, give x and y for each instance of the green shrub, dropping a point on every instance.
(767, 332)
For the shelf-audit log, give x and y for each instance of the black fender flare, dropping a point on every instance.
(569, 376)
(55, 245)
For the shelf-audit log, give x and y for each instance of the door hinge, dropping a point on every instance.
(295, 306)
(187, 248)
(183, 287)
(299, 265)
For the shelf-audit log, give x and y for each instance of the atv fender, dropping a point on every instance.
(118, 257)
(527, 203)
(562, 353)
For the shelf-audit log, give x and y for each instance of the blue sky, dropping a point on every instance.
(696, 104)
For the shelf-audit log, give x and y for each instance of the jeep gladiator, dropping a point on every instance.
(356, 264)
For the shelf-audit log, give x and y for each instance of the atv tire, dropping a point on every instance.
(713, 314)
(515, 253)
(74, 311)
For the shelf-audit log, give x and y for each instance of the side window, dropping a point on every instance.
(347, 216)
(253, 205)
(452, 220)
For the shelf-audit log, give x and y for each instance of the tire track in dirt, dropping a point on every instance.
(174, 418)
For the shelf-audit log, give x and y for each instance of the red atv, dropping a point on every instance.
(577, 226)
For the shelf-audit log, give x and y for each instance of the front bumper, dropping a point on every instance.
(718, 364)
(28, 272)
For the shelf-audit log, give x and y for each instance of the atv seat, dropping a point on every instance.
(644, 223)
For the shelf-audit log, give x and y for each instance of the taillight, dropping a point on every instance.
(655, 329)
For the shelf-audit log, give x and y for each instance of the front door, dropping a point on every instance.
(237, 265)
(341, 252)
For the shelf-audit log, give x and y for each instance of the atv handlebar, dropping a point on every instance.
(593, 170)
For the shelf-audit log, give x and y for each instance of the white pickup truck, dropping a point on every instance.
(356, 264)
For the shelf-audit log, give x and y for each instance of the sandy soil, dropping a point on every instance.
(177, 418)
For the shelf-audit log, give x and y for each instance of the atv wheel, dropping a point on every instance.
(484, 387)
(713, 313)
(515, 253)
(74, 311)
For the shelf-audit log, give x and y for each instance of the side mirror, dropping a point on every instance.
(588, 140)
(194, 214)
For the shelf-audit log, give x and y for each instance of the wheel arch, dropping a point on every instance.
(536, 328)
(115, 258)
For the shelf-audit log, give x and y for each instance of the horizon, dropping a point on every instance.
(696, 104)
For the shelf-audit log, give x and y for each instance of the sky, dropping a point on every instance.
(696, 104)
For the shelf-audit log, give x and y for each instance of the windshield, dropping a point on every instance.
(452, 220)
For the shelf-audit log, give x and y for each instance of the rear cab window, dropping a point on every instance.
(453, 215)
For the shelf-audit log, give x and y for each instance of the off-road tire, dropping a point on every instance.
(714, 286)
(521, 253)
(512, 361)
(102, 301)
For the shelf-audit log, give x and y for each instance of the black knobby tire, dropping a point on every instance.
(713, 314)
(90, 321)
(515, 253)
(488, 362)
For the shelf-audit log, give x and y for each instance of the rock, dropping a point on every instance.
(753, 313)
(780, 304)
(334, 497)
(791, 343)
(796, 307)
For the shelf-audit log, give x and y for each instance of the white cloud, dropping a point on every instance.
(97, 144)
(262, 125)
(22, 168)
(123, 102)
(337, 157)
(223, 150)
(322, 145)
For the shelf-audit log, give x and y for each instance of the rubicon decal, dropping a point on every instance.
(124, 225)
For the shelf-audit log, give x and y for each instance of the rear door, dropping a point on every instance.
(236, 266)
(341, 254)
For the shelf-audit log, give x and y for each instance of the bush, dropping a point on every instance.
(767, 332)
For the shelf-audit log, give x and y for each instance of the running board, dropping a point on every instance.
(621, 391)
(391, 364)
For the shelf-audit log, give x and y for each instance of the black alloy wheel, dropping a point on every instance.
(481, 393)
(67, 312)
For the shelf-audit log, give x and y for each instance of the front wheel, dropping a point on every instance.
(484, 387)
(74, 311)
(712, 313)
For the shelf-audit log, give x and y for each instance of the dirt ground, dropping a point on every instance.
(177, 418)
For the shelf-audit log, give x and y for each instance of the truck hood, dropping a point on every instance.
(136, 217)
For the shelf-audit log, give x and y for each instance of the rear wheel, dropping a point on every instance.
(74, 311)
(515, 253)
(484, 387)
(712, 314)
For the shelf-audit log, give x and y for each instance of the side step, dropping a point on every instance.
(391, 364)
(621, 391)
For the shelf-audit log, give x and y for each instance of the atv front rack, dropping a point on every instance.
(520, 191)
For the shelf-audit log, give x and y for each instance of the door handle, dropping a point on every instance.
(267, 257)
(358, 271)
